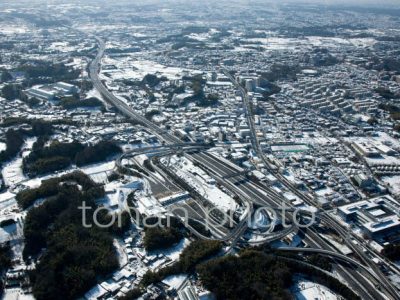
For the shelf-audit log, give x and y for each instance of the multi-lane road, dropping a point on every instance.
(376, 273)
(363, 280)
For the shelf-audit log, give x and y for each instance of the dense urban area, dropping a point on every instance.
(199, 150)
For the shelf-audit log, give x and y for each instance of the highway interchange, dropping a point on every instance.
(364, 276)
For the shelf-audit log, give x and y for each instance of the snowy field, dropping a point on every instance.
(12, 172)
(175, 281)
(99, 172)
(174, 252)
(393, 182)
(13, 29)
(62, 47)
(307, 290)
(2, 146)
(131, 68)
(197, 178)
(279, 43)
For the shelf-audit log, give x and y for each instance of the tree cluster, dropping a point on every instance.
(40, 127)
(199, 96)
(160, 238)
(386, 93)
(257, 275)
(390, 64)
(7, 222)
(253, 275)
(280, 72)
(2, 184)
(51, 187)
(391, 108)
(292, 31)
(197, 252)
(152, 80)
(5, 262)
(47, 72)
(199, 227)
(5, 257)
(57, 156)
(97, 153)
(119, 229)
(37, 124)
(48, 165)
(14, 142)
(150, 114)
(147, 164)
(73, 256)
(132, 294)
(15, 138)
(11, 91)
(392, 251)
(72, 102)
(5, 76)
(320, 261)
(114, 176)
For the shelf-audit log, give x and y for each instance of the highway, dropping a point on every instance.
(94, 69)
(390, 290)
(264, 195)
(164, 150)
(329, 253)
(248, 191)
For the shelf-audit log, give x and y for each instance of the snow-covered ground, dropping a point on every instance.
(2, 146)
(174, 252)
(95, 93)
(307, 290)
(12, 171)
(170, 254)
(122, 256)
(260, 220)
(175, 281)
(279, 43)
(343, 248)
(62, 47)
(132, 68)
(393, 182)
(203, 183)
(10, 232)
(16, 294)
(8, 204)
(98, 168)
(14, 29)
(99, 172)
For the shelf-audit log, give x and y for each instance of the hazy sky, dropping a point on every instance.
(369, 3)
(348, 2)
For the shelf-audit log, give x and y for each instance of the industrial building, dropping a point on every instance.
(49, 92)
(377, 217)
